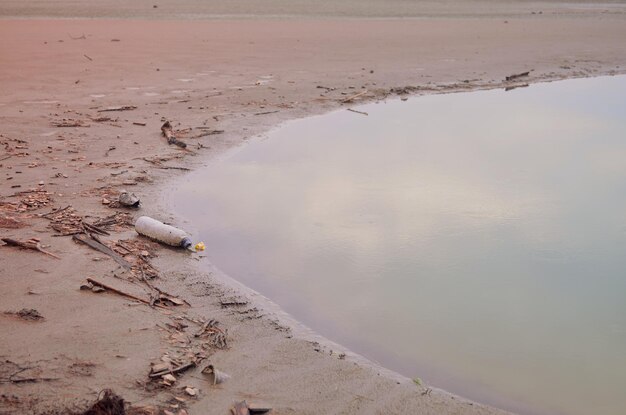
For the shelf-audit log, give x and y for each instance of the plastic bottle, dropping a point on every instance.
(161, 232)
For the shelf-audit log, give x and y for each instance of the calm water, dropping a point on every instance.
(476, 240)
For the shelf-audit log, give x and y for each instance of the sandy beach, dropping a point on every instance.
(82, 103)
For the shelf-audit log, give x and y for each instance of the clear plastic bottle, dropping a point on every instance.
(161, 232)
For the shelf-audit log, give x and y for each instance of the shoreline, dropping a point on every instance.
(178, 274)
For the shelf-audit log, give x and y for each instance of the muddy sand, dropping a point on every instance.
(65, 158)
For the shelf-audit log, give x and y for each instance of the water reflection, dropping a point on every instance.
(476, 240)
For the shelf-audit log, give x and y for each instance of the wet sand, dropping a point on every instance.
(243, 77)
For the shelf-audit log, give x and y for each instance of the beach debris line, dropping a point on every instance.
(32, 243)
(517, 75)
(161, 232)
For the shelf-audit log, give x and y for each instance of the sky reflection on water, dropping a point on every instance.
(475, 240)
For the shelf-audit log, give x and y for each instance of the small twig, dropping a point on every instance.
(266, 112)
(54, 212)
(350, 98)
(173, 168)
(88, 57)
(122, 108)
(358, 112)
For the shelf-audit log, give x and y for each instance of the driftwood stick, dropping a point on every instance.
(122, 293)
(350, 98)
(122, 108)
(173, 168)
(178, 369)
(54, 212)
(104, 249)
(208, 132)
(30, 244)
(358, 112)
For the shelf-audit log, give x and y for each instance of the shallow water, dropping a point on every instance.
(476, 240)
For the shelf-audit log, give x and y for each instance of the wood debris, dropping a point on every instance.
(168, 133)
(93, 283)
(29, 314)
(8, 222)
(353, 97)
(121, 108)
(517, 75)
(33, 244)
(34, 199)
(91, 242)
(68, 123)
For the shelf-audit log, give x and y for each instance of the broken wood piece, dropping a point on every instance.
(517, 75)
(122, 108)
(358, 112)
(142, 124)
(167, 131)
(265, 112)
(353, 97)
(122, 293)
(208, 132)
(173, 168)
(104, 249)
(171, 370)
(512, 87)
(29, 244)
